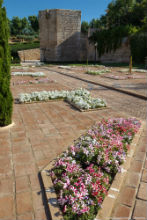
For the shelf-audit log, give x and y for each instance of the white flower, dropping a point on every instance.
(36, 74)
(98, 72)
(80, 97)
(85, 101)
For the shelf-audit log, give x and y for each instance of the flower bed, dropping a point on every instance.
(125, 77)
(83, 174)
(36, 81)
(85, 102)
(134, 70)
(42, 96)
(98, 72)
(80, 98)
(33, 74)
(64, 67)
(50, 95)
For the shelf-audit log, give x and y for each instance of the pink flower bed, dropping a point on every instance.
(35, 81)
(83, 174)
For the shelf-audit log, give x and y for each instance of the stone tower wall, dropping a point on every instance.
(59, 35)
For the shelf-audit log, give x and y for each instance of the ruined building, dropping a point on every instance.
(61, 39)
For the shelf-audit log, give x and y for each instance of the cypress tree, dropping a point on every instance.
(6, 100)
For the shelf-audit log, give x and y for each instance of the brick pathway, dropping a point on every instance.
(42, 131)
(132, 200)
(133, 85)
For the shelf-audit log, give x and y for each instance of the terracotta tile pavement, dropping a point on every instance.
(41, 132)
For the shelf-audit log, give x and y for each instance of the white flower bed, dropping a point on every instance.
(50, 95)
(19, 67)
(79, 97)
(139, 70)
(98, 72)
(36, 74)
(86, 102)
(42, 96)
(133, 70)
(64, 67)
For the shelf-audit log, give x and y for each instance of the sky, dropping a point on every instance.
(23, 8)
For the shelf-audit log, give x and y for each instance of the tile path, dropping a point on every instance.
(42, 131)
(132, 85)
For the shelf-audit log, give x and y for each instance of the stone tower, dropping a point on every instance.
(60, 35)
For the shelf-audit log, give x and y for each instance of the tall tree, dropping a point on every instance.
(6, 99)
(16, 26)
(124, 18)
(34, 22)
(95, 23)
(24, 23)
(84, 27)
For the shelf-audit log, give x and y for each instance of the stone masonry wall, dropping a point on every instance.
(121, 55)
(31, 54)
(59, 35)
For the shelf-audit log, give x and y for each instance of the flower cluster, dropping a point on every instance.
(42, 96)
(86, 102)
(98, 72)
(80, 97)
(36, 81)
(36, 74)
(82, 175)
(51, 95)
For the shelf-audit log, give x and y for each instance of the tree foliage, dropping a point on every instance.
(21, 26)
(111, 38)
(124, 18)
(34, 23)
(84, 27)
(5, 93)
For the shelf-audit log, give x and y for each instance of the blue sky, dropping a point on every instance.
(23, 8)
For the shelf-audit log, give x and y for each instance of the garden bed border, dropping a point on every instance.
(7, 127)
(33, 102)
(113, 192)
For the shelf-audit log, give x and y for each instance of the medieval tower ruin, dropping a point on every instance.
(60, 33)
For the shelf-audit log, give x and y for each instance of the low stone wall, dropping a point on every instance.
(32, 54)
(121, 55)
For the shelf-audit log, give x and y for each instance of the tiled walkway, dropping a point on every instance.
(42, 131)
(138, 86)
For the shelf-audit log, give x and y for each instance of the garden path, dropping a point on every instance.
(43, 130)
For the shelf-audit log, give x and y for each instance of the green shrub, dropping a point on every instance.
(5, 93)
(138, 45)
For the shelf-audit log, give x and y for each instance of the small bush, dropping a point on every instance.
(138, 45)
